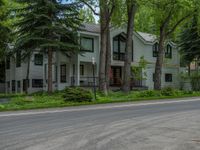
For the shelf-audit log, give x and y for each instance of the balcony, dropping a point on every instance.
(118, 56)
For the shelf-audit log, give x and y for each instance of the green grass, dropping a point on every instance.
(43, 100)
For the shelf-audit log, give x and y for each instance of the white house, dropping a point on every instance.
(77, 69)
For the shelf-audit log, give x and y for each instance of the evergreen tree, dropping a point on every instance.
(190, 42)
(50, 26)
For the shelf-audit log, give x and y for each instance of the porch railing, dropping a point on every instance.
(85, 81)
(88, 82)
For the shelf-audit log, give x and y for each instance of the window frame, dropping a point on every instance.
(63, 77)
(18, 59)
(155, 49)
(82, 70)
(7, 63)
(167, 79)
(37, 86)
(36, 62)
(88, 38)
(168, 51)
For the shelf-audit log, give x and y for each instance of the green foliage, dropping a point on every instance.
(189, 41)
(137, 70)
(87, 15)
(195, 81)
(47, 24)
(148, 93)
(77, 94)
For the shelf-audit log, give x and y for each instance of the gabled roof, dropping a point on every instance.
(148, 37)
(94, 28)
(145, 37)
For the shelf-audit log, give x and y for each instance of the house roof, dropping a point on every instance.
(94, 28)
(148, 37)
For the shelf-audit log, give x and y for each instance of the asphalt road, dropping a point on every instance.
(168, 125)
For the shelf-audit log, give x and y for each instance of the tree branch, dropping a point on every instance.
(88, 5)
(179, 22)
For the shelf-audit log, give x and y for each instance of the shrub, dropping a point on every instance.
(169, 91)
(2, 106)
(195, 82)
(77, 94)
(148, 93)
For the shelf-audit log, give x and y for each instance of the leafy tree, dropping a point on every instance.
(87, 15)
(4, 29)
(168, 15)
(50, 26)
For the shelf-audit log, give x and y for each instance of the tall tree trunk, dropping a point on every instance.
(189, 69)
(50, 58)
(131, 8)
(27, 74)
(104, 29)
(159, 61)
(108, 60)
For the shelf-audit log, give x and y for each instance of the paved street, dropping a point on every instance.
(168, 125)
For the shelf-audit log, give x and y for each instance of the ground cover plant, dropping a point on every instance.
(78, 96)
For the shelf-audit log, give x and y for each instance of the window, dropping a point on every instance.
(63, 74)
(168, 51)
(38, 59)
(8, 63)
(18, 59)
(13, 85)
(37, 83)
(155, 50)
(168, 77)
(87, 44)
(119, 45)
(18, 84)
(82, 70)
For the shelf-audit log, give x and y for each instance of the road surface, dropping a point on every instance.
(166, 125)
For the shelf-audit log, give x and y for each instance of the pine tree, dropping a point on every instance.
(49, 25)
(190, 41)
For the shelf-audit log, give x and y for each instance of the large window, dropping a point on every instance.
(119, 45)
(87, 44)
(168, 77)
(18, 59)
(168, 51)
(13, 85)
(37, 83)
(38, 59)
(8, 63)
(82, 70)
(63, 73)
(155, 50)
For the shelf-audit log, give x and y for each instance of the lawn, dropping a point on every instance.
(43, 100)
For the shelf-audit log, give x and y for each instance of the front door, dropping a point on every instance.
(116, 78)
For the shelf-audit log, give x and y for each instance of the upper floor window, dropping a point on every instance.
(38, 59)
(155, 50)
(18, 59)
(168, 51)
(8, 63)
(87, 44)
(119, 45)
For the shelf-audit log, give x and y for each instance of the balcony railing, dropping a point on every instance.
(118, 56)
(88, 82)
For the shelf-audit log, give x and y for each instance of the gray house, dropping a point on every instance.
(77, 69)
